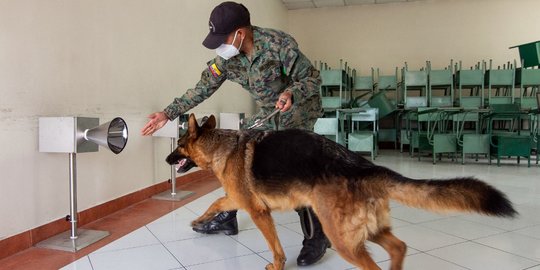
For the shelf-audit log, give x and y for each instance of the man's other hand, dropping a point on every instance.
(284, 102)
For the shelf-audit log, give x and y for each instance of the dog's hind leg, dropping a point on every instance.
(265, 223)
(220, 205)
(347, 230)
(350, 248)
(395, 247)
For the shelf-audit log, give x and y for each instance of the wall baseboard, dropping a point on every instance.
(17, 243)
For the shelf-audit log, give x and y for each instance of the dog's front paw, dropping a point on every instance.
(269, 267)
(200, 221)
(196, 223)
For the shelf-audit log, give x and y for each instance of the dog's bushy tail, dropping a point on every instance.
(458, 194)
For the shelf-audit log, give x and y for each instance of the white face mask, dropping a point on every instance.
(228, 51)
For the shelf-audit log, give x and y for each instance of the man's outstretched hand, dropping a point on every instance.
(157, 121)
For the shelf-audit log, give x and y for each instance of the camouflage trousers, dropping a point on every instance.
(301, 115)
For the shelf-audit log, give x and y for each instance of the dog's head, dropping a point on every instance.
(187, 155)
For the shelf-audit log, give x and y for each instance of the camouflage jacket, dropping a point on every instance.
(277, 65)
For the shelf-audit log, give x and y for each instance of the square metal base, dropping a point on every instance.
(178, 196)
(63, 241)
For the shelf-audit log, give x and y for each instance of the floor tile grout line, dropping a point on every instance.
(423, 226)
(503, 229)
(164, 246)
(90, 261)
(254, 252)
(121, 249)
(220, 260)
(472, 241)
(442, 259)
(521, 256)
(531, 267)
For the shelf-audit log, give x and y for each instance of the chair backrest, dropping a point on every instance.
(369, 115)
(363, 83)
(332, 77)
(504, 108)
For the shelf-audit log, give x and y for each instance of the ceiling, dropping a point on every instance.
(301, 4)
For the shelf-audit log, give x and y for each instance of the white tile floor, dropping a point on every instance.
(442, 242)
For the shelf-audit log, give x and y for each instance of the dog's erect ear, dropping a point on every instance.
(210, 123)
(193, 127)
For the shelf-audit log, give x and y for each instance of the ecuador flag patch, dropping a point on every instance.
(215, 70)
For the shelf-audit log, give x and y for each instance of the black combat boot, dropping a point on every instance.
(314, 248)
(224, 222)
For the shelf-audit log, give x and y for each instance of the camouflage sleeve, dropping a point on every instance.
(211, 79)
(305, 79)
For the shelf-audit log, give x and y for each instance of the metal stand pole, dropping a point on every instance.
(74, 239)
(173, 195)
(73, 194)
(173, 170)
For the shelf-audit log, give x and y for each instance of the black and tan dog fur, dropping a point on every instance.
(262, 171)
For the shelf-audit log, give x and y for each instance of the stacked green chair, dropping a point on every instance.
(363, 132)
(386, 98)
(388, 84)
(508, 140)
(362, 88)
(441, 79)
(330, 128)
(414, 80)
(529, 54)
(433, 133)
(472, 80)
(470, 141)
(536, 127)
(334, 80)
(528, 82)
(500, 84)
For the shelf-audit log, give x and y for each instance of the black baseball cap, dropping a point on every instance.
(224, 19)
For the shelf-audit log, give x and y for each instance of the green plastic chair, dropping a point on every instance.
(414, 80)
(528, 81)
(363, 87)
(473, 141)
(472, 80)
(363, 132)
(329, 127)
(535, 127)
(334, 80)
(500, 84)
(529, 53)
(434, 136)
(509, 139)
(441, 79)
(389, 83)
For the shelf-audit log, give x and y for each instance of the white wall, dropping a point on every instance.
(98, 58)
(387, 35)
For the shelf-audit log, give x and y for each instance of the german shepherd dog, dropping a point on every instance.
(262, 171)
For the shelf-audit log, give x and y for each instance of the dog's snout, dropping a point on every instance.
(173, 158)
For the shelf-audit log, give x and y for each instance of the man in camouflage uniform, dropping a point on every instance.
(270, 66)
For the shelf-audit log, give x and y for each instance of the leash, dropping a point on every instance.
(304, 212)
(274, 114)
(261, 121)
